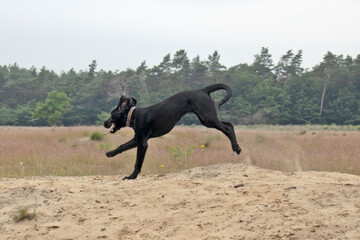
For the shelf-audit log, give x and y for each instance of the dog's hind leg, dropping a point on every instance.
(210, 120)
(236, 148)
(229, 132)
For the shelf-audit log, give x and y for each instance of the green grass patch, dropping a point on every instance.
(22, 214)
(96, 136)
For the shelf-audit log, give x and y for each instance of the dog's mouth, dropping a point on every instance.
(112, 128)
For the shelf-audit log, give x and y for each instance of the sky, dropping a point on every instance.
(65, 34)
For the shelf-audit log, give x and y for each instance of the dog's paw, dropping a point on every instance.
(110, 154)
(132, 176)
(129, 178)
(236, 148)
(238, 151)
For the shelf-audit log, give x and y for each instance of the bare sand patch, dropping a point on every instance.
(223, 201)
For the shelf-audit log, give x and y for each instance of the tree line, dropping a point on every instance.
(264, 92)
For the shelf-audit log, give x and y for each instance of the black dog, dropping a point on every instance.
(159, 119)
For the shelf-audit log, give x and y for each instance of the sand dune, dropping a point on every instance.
(226, 201)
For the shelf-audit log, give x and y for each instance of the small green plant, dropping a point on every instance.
(313, 133)
(96, 136)
(303, 132)
(177, 152)
(22, 214)
(180, 154)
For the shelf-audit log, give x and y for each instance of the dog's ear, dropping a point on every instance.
(132, 102)
(126, 103)
(122, 103)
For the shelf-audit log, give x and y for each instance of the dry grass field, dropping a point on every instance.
(69, 151)
(56, 183)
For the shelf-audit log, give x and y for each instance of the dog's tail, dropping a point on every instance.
(215, 87)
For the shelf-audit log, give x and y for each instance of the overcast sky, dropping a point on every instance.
(65, 34)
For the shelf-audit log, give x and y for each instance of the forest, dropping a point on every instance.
(264, 92)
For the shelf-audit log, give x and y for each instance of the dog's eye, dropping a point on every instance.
(117, 115)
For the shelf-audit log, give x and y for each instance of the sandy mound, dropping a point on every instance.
(227, 201)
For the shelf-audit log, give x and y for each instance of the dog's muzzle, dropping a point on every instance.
(112, 127)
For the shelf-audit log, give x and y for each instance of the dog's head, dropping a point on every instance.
(118, 116)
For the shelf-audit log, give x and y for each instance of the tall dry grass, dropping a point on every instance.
(303, 150)
(63, 151)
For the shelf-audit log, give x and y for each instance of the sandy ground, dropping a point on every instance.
(226, 201)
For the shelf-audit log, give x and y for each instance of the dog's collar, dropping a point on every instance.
(128, 120)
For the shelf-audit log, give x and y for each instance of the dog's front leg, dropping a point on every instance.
(141, 151)
(126, 146)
